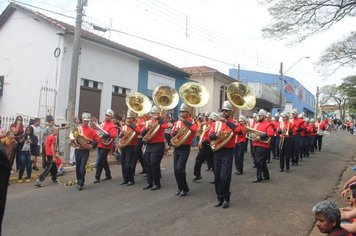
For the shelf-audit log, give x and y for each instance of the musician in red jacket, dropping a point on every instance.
(105, 145)
(262, 146)
(297, 128)
(205, 153)
(285, 131)
(82, 152)
(181, 152)
(313, 136)
(320, 128)
(128, 153)
(275, 138)
(138, 148)
(223, 130)
(239, 150)
(154, 149)
(308, 133)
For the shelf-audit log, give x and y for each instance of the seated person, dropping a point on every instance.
(327, 218)
(59, 164)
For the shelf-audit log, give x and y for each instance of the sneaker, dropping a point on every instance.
(27, 180)
(19, 181)
(54, 181)
(38, 183)
(35, 168)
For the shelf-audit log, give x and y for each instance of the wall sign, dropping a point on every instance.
(155, 80)
(1, 85)
(289, 88)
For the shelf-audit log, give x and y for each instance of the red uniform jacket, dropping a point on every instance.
(286, 127)
(267, 128)
(222, 126)
(110, 128)
(137, 130)
(313, 133)
(90, 133)
(303, 125)
(159, 136)
(141, 123)
(320, 125)
(180, 125)
(205, 133)
(276, 125)
(241, 133)
(297, 122)
(308, 130)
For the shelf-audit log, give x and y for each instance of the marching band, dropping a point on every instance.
(222, 139)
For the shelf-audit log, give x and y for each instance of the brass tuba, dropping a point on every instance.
(241, 97)
(166, 98)
(78, 139)
(253, 133)
(95, 125)
(194, 95)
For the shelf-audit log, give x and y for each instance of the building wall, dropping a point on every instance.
(27, 61)
(298, 96)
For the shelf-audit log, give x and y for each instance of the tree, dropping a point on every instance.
(304, 18)
(349, 88)
(334, 95)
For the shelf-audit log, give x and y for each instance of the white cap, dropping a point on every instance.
(207, 114)
(226, 106)
(86, 116)
(319, 117)
(214, 116)
(109, 112)
(184, 107)
(301, 115)
(155, 109)
(130, 114)
(242, 118)
(285, 114)
(294, 111)
(276, 115)
(269, 114)
(262, 112)
(312, 120)
(254, 115)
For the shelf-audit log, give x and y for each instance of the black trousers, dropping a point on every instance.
(319, 142)
(286, 153)
(81, 160)
(204, 154)
(103, 164)
(275, 146)
(5, 168)
(153, 156)
(260, 162)
(139, 154)
(128, 162)
(239, 153)
(296, 149)
(222, 172)
(180, 158)
(50, 167)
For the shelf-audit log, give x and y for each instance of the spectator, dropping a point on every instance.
(5, 168)
(59, 165)
(2, 131)
(327, 217)
(17, 129)
(35, 152)
(77, 122)
(9, 144)
(26, 143)
(167, 132)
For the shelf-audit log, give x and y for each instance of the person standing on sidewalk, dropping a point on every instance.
(50, 166)
(104, 148)
(72, 149)
(26, 143)
(17, 128)
(91, 138)
(37, 130)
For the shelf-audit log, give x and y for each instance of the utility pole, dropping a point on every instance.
(74, 72)
(280, 86)
(317, 102)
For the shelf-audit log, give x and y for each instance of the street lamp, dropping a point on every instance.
(281, 73)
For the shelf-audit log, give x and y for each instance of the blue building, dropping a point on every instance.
(296, 95)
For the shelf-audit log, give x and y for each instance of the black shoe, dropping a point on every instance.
(178, 192)
(287, 170)
(35, 168)
(197, 178)
(142, 172)
(183, 193)
(266, 178)
(124, 183)
(281, 170)
(268, 162)
(208, 169)
(225, 204)
(96, 181)
(218, 204)
(155, 187)
(107, 178)
(130, 183)
(257, 180)
(254, 166)
(212, 182)
(148, 186)
(238, 173)
(79, 187)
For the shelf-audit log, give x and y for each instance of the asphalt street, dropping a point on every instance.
(280, 206)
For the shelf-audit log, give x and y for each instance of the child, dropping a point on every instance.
(59, 165)
(9, 144)
(27, 142)
(50, 147)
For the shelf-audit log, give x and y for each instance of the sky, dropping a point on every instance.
(220, 34)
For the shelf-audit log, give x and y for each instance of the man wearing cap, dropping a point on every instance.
(154, 150)
(312, 136)
(205, 153)
(285, 130)
(82, 152)
(275, 139)
(223, 157)
(262, 146)
(103, 149)
(252, 124)
(181, 153)
(302, 142)
(269, 120)
(239, 150)
(128, 154)
(139, 144)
